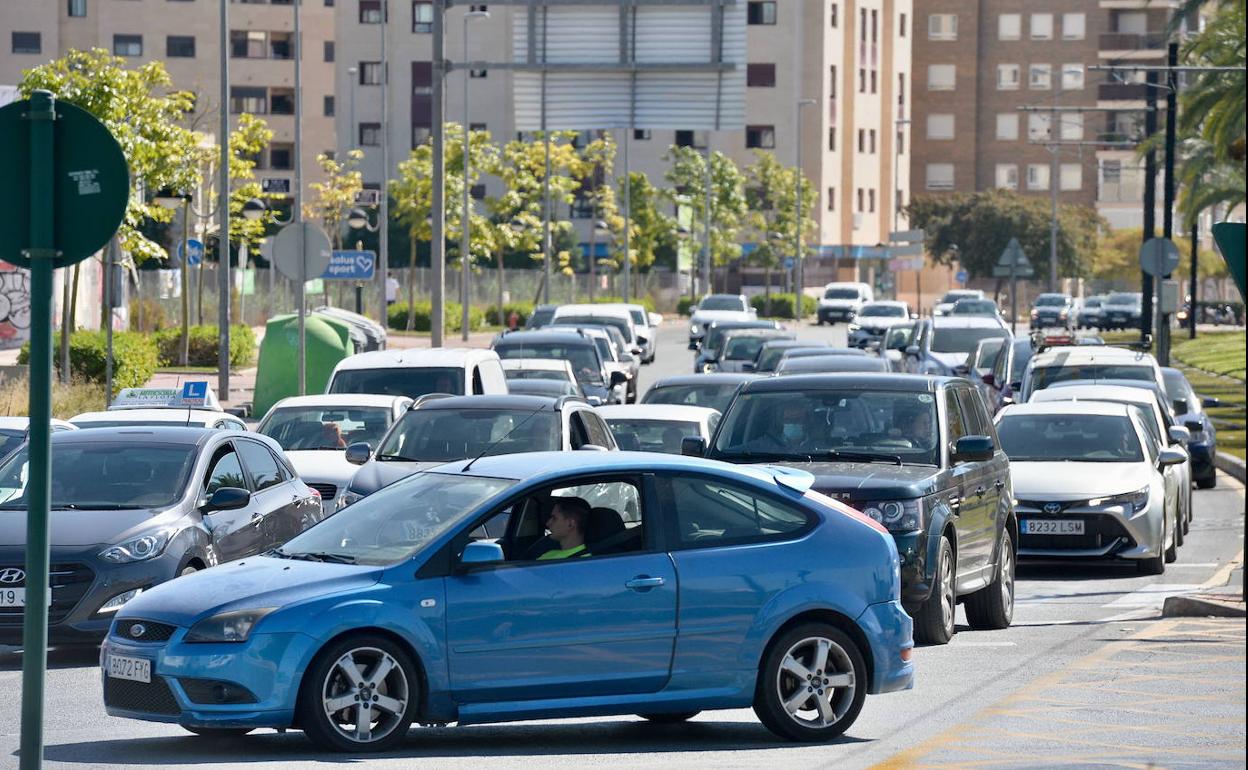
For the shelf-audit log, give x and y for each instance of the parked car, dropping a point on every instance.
(193, 405)
(429, 599)
(613, 350)
(1088, 362)
(647, 325)
(740, 348)
(1005, 380)
(314, 432)
(437, 431)
(14, 431)
(707, 357)
(975, 307)
(516, 369)
(951, 298)
(617, 316)
(831, 363)
(773, 350)
(841, 301)
(417, 372)
(658, 427)
(1051, 310)
(1189, 410)
(1090, 312)
(541, 315)
(943, 345)
(717, 307)
(602, 384)
(1090, 483)
(917, 454)
(1121, 310)
(178, 500)
(874, 318)
(713, 391)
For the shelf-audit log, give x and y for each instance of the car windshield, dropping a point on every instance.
(597, 320)
(986, 354)
(540, 317)
(10, 440)
(639, 315)
(139, 475)
(1044, 376)
(816, 425)
(1124, 298)
(442, 435)
(317, 427)
(1051, 301)
(1088, 438)
(721, 302)
(841, 294)
(1092, 302)
(652, 435)
(400, 381)
(743, 348)
(974, 307)
(584, 357)
(953, 296)
(886, 311)
(715, 337)
(715, 396)
(398, 521)
(946, 340)
(537, 374)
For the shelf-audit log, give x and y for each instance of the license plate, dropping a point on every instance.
(1052, 527)
(134, 669)
(16, 597)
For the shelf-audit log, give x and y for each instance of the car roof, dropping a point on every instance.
(157, 433)
(165, 414)
(342, 400)
(1075, 355)
(886, 303)
(1149, 385)
(655, 412)
(1067, 407)
(710, 378)
(789, 342)
(603, 310)
(545, 335)
(832, 363)
(762, 332)
(905, 383)
(537, 364)
(497, 401)
(1063, 295)
(966, 322)
(590, 330)
(728, 323)
(1113, 393)
(415, 358)
(541, 466)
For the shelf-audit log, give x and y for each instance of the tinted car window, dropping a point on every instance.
(596, 430)
(743, 348)
(722, 302)
(590, 320)
(261, 466)
(886, 311)
(715, 396)
(711, 513)
(405, 381)
(955, 426)
(945, 340)
(226, 471)
(10, 440)
(974, 416)
(841, 294)
(442, 435)
(1069, 437)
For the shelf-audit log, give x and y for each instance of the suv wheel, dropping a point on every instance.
(933, 623)
(811, 684)
(359, 695)
(992, 607)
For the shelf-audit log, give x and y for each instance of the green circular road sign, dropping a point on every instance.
(91, 184)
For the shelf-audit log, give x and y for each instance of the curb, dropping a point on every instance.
(1232, 466)
(1198, 606)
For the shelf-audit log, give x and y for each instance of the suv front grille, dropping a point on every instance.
(69, 583)
(153, 697)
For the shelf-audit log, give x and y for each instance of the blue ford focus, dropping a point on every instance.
(545, 585)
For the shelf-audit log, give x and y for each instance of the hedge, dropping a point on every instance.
(782, 305)
(135, 357)
(397, 316)
(684, 305)
(521, 309)
(202, 348)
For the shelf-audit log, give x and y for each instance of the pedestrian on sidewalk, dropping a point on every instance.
(392, 290)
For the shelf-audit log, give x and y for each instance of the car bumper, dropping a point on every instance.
(268, 666)
(835, 314)
(890, 632)
(1047, 321)
(1108, 533)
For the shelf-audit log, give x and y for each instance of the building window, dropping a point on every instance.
(329, 51)
(940, 176)
(370, 134)
(250, 99)
(694, 139)
(1007, 77)
(1037, 176)
(420, 136)
(27, 42)
(1072, 77)
(180, 47)
(641, 134)
(78, 8)
(1070, 125)
(1042, 26)
(760, 137)
(860, 194)
(127, 45)
(1074, 26)
(901, 25)
(875, 26)
(942, 26)
(832, 139)
(327, 107)
(478, 74)
(940, 126)
(1007, 176)
(862, 24)
(370, 12)
(1040, 77)
(941, 77)
(1038, 125)
(871, 136)
(862, 80)
(761, 12)
(422, 16)
(370, 73)
(862, 140)
(281, 156)
(1070, 176)
(281, 45)
(871, 201)
(901, 141)
(832, 82)
(1009, 26)
(834, 16)
(875, 83)
(760, 75)
(248, 44)
(281, 101)
(1007, 127)
(831, 199)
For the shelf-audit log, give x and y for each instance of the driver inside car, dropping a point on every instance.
(566, 523)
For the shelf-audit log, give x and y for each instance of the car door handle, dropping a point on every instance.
(981, 490)
(256, 518)
(999, 484)
(644, 583)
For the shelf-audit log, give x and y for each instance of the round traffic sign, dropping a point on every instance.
(1159, 256)
(962, 276)
(301, 251)
(90, 186)
(192, 251)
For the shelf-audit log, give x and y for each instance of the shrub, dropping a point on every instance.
(135, 357)
(147, 314)
(397, 316)
(521, 309)
(684, 305)
(782, 305)
(202, 347)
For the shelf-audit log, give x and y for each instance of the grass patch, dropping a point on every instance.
(1218, 352)
(1202, 360)
(67, 400)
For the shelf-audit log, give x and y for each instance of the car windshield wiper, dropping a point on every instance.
(336, 558)
(761, 457)
(397, 458)
(861, 457)
(94, 507)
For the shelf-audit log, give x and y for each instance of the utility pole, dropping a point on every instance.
(707, 219)
(1167, 214)
(297, 210)
(223, 195)
(628, 218)
(798, 215)
(383, 217)
(437, 241)
(1150, 201)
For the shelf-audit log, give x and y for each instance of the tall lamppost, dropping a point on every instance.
(465, 245)
(797, 219)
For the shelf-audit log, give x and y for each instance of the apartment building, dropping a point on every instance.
(977, 62)
(185, 36)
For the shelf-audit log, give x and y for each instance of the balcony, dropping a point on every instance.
(1131, 45)
(1122, 92)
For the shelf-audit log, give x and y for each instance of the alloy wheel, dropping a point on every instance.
(365, 695)
(816, 682)
(948, 605)
(1007, 576)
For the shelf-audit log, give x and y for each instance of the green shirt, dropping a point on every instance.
(564, 554)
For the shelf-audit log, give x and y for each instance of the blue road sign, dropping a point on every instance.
(962, 276)
(192, 251)
(351, 266)
(788, 263)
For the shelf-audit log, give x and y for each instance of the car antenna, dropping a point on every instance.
(500, 440)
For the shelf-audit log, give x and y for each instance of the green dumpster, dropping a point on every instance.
(277, 375)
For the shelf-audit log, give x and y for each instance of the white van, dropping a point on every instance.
(842, 300)
(601, 315)
(413, 373)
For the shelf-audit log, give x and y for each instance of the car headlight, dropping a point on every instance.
(140, 548)
(234, 626)
(854, 327)
(1064, 314)
(117, 602)
(694, 328)
(347, 498)
(896, 515)
(1138, 500)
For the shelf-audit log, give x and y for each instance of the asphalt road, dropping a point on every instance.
(1089, 674)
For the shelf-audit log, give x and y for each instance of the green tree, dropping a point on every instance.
(332, 199)
(729, 209)
(650, 229)
(773, 217)
(597, 169)
(1117, 257)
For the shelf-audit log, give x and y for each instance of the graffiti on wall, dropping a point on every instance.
(14, 306)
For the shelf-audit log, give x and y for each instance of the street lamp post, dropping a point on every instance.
(797, 219)
(465, 245)
(223, 200)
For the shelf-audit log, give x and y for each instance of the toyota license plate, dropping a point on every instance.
(134, 669)
(1052, 527)
(16, 597)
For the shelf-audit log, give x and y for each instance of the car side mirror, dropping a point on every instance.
(1171, 456)
(482, 552)
(1209, 402)
(618, 378)
(989, 379)
(635, 351)
(227, 499)
(971, 449)
(1195, 425)
(1178, 434)
(912, 350)
(748, 366)
(693, 446)
(359, 453)
(592, 448)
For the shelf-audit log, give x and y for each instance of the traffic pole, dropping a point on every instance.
(1150, 201)
(1191, 306)
(38, 486)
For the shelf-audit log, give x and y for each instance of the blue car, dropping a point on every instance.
(697, 585)
(1189, 410)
